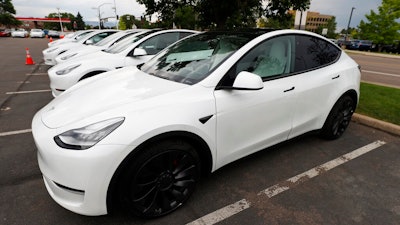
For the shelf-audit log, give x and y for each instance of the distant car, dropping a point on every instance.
(362, 45)
(19, 33)
(101, 45)
(70, 37)
(133, 50)
(50, 54)
(142, 136)
(53, 34)
(36, 33)
(5, 33)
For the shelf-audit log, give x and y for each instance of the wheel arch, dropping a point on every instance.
(200, 145)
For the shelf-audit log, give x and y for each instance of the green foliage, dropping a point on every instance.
(222, 14)
(331, 26)
(6, 14)
(79, 22)
(126, 22)
(382, 27)
(185, 17)
(277, 9)
(56, 25)
(228, 14)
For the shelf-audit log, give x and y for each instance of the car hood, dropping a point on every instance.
(103, 93)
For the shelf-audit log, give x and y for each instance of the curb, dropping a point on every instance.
(387, 55)
(378, 124)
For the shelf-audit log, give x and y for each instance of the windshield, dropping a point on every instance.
(125, 43)
(191, 60)
(113, 38)
(81, 36)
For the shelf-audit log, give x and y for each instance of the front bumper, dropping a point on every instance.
(78, 180)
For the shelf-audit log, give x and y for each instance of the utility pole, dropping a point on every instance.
(348, 25)
(59, 17)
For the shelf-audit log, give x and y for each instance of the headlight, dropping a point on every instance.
(68, 56)
(67, 70)
(51, 50)
(85, 137)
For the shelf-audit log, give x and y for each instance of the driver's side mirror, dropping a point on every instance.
(248, 81)
(89, 42)
(139, 52)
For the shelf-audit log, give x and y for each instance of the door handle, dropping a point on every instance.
(290, 89)
(333, 78)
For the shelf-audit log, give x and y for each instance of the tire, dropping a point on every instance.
(339, 118)
(160, 179)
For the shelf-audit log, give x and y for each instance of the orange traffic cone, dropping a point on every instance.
(51, 39)
(29, 60)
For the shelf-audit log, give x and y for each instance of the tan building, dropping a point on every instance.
(312, 21)
(315, 20)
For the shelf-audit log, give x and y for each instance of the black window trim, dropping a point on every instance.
(220, 85)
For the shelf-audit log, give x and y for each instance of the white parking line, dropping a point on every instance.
(15, 132)
(230, 210)
(380, 73)
(36, 74)
(27, 92)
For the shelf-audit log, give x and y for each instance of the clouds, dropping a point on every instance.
(87, 8)
(341, 10)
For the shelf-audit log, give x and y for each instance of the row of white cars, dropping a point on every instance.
(33, 33)
(140, 136)
(89, 53)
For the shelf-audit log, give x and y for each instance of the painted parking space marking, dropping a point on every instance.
(230, 210)
(15, 132)
(380, 73)
(27, 92)
(36, 74)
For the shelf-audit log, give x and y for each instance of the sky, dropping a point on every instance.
(89, 9)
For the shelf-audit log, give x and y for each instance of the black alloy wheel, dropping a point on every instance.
(161, 179)
(339, 118)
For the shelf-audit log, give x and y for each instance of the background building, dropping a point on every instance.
(315, 20)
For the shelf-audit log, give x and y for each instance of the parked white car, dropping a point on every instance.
(36, 33)
(68, 38)
(50, 54)
(133, 50)
(142, 136)
(19, 33)
(101, 45)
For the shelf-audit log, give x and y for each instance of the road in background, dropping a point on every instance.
(378, 69)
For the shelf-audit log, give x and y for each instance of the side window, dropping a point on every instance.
(157, 43)
(313, 52)
(98, 37)
(269, 59)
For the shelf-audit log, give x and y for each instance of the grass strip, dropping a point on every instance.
(380, 102)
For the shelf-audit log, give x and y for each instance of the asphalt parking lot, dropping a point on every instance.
(352, 180)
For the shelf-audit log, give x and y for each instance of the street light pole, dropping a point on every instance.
(116, 17)
(99, 13)
(348, 25)
(59, 17)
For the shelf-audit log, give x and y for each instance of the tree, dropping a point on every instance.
(56, 25)
(331, 26)
(6, 14)
(382, 27)
(277, 10)
(185, 17)
(126, 22)
(225, 14)
(228, 14)
(80, 25)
